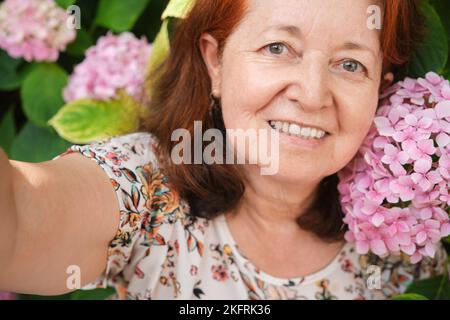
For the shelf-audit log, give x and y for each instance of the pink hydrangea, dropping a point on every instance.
(36, 30)
(115, 62)
(395, 192)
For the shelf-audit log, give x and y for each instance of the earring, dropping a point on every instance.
(215, 112)
(214, 104)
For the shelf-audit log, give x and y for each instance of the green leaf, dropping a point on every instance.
(119, 15)
(9, 79)
(446, 239)
(85, 121)
(7, 130)
(96, 294)
(161, 47)
(65, 3)
(409, 296)
(443, 9)
(433, 288)
(178, 9)
(41, 93)
(433, 53)
(35, 144)
(81, 43)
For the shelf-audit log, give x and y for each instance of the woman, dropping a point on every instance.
(310, 71)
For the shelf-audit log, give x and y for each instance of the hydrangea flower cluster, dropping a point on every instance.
(35, 30)
(115, 62)
(395, 192)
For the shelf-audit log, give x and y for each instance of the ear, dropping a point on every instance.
(210, 52)
(387, 80)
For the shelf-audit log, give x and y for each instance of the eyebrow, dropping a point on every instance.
(291, 29)
(296, 32)
(357, 46)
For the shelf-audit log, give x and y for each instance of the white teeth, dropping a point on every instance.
(295, 130)
(306, 132)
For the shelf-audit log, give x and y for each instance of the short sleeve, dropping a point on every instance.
(128, 161)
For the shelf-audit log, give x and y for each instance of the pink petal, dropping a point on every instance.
(430, 249)
(415, 258)
(362, 247)
(445, 230)
(377, 219)
(411, 120)
(426, 213)
(408, 249)
(378, 247)
(433, 78)
(443, 139)
(446, 91)
(421, 237)
(443, 109)
(392, 244)
(423, 165)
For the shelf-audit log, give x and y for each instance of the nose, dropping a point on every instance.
(309, 85)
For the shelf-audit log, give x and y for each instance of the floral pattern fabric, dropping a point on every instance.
(162, 251)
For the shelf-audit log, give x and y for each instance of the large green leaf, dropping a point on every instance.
(9, 79)
(85, 121)
(443, 9)
(81, 43)
(35, 144)
(432, 55)
(65, 3)
(161, 47)
(95, 294)
(409, 296)
(119, 15)
(178, 9)
(7, 130)
(41, 93)
(433, 288)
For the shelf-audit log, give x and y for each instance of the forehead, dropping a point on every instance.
(326, 21)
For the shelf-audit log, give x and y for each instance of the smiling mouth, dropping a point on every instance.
(293, 129)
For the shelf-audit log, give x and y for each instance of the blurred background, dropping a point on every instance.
(73, 71)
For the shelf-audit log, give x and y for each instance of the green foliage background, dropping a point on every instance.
(30, 93)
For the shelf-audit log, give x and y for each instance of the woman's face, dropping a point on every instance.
(308, 63)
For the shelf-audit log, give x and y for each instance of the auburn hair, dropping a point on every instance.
(180, 95)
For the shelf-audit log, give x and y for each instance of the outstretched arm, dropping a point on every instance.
(54, 215)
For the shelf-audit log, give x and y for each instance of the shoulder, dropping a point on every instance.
(131, 149)
(129, 161)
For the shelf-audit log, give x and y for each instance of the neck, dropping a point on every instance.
(269, 204)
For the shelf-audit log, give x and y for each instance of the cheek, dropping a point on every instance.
(355, 121)
(246, 90)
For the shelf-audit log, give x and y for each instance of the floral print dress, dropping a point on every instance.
(161, 251)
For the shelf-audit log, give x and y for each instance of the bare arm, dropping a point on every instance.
(7, 211)
(64, 213)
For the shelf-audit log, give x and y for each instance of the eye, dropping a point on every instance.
(352, 66)
(276, 48)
